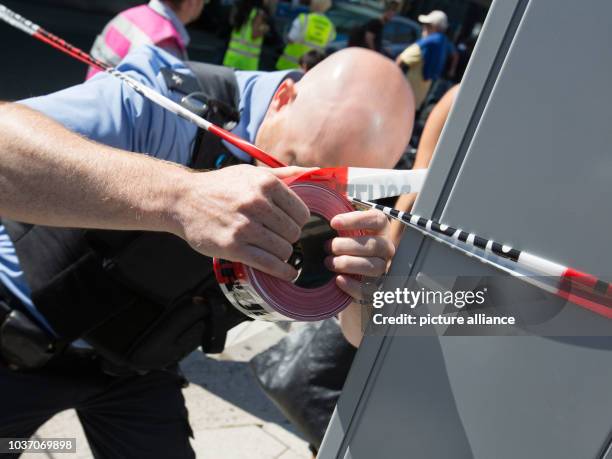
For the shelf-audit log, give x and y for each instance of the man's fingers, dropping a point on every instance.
(366, 246)
(350, 286)
(370, 220)
(282, 224)
(364, 266)
(268, 263)
(252, 217)
(286, 199)
(270, 242)
(291, 204)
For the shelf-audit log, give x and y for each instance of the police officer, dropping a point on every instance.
(425, 60)
(312, 31)
(321, 119)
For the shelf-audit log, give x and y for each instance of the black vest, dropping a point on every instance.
(143, 300)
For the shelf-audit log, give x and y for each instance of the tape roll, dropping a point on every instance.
(314, 294)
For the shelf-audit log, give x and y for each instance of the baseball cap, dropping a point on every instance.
(435, 18)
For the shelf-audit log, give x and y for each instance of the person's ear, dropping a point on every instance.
(284, 95)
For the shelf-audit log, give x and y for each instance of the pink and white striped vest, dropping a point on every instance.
(135, 27)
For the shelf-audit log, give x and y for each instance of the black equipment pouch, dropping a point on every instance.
(176, 304)
(142, 300)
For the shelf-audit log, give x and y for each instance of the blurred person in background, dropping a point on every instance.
(369, 35)
(160, 23)
(425, 60)
(310, 59)
(249, 25)
(308, 31)
(465, 48)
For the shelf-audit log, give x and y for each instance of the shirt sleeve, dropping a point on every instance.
(106, 110)
(411, 55)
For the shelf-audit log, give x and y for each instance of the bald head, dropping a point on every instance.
(355, 108)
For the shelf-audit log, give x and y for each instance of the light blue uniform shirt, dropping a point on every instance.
(107, 111)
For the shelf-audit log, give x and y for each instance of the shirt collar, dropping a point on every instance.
(160, 7)
(256, 91)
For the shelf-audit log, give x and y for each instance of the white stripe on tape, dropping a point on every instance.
(368, 184)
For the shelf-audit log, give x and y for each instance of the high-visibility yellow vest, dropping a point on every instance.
(243, 51)
(319, 31)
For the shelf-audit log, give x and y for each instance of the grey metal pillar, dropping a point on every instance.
(526, 158)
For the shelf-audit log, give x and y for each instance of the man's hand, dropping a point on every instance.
(243, 213)
(365, 255)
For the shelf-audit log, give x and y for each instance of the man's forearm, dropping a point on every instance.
(51, 176)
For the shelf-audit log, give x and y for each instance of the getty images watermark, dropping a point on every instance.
(474, 306)
(413, 298)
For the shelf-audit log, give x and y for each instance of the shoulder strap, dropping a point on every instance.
(217, 81)
(211, 92)
(219, 88)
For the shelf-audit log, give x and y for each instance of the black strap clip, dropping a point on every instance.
(215, 111)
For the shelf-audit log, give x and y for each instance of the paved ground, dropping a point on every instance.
(230, 416)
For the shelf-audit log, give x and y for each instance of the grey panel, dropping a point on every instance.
(537, 175)
(531, 397)
(403, 409)
(524, 159)
(485, 63)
